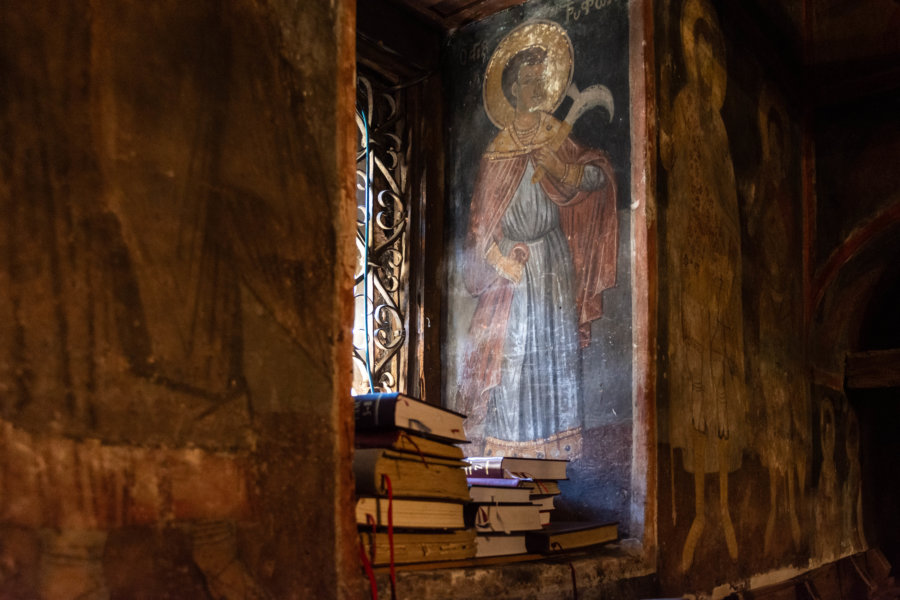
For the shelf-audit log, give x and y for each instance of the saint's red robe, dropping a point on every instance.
(588, 220)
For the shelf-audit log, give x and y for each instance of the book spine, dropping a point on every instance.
(486, 469)
(365, 465)
(494, 481)
(536, 543)
(374, 413)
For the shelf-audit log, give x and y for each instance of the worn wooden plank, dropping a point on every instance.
(452, 14)
(873, 369)
(395, 41)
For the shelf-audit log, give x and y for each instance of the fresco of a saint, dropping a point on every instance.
(703, 260)
(540, 249)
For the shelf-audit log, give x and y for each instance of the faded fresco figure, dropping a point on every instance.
(827, 509)
(772, 224)
(853, 535)
(703, 240)
(540, 249)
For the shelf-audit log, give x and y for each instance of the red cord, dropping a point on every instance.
(574, 582)
(416, 446)
(386, 482)
(373, 585)
(371, 521)
(482, 518)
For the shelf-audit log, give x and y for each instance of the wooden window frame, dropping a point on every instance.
(410, 59)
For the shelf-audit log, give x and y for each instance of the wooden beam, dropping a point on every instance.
(452, 14)
(873, 369)
(849, 81)
(395, 42)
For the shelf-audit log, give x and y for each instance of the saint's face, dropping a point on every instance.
(704, 65)
(529, 88)
(776, 147)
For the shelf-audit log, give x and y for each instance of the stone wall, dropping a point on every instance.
(174, 282)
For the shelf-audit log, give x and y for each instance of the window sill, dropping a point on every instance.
(611, 568)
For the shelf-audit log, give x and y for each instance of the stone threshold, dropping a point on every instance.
(617, 570)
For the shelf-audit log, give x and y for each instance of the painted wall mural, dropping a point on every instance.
(837, 501)
(775, 338)
(539, 304)
(758, 470)
(703, 262)
(540, 249)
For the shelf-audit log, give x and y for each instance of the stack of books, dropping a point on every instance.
(510, 497)
(410, 481)
(419, 500)
(512, 502)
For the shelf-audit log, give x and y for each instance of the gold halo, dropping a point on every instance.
(691, 12)
(770, 100)
(547, 35)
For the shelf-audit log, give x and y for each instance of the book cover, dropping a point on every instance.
(395, 410)
(542, 502)
(514, 466)
(410, 512)
(500, 544)
(544, 487)
(410, 475)
(538, 487)
(562, 535)
(419, 546)
(499, 495)
(512, 482)
(407, 442)
(505, 518)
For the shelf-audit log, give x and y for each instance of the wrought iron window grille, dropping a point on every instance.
(381, 284)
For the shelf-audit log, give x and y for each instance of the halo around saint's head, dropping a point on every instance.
(771, 108)
(548, 36)
(693, 12)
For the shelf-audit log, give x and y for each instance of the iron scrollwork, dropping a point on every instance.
(382, 272)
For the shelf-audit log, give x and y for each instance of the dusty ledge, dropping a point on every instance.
(613, 571)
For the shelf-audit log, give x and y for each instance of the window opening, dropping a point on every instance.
(381, 284)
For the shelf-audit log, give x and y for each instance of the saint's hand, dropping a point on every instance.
(509, 267)
(548, 159)
(520, 253)
(514, 263)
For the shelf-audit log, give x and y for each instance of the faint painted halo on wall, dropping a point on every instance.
(771, 101)
(691, 12)
(547, 35)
